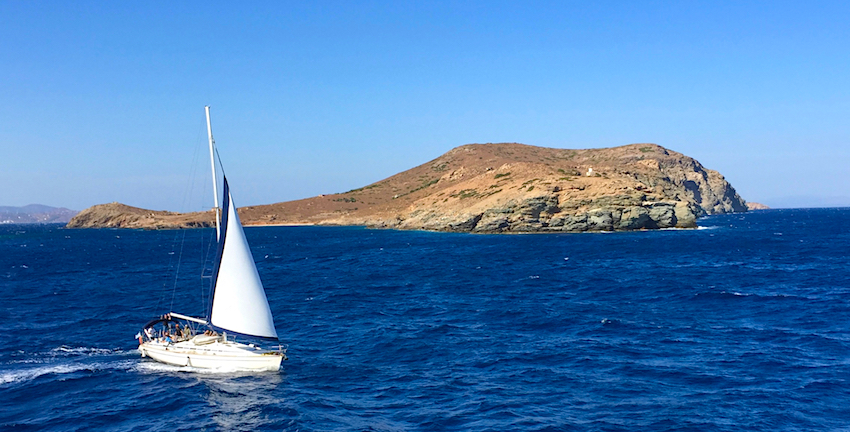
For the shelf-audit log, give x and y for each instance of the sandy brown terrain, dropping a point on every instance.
(504, 187)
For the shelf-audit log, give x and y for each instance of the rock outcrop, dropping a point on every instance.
(756, 206)
(116, 215)
(517, 188)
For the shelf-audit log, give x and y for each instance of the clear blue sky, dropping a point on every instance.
(103, 101)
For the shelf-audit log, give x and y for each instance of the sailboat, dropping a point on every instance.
(238, 307)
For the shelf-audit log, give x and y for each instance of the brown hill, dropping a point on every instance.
(117, 215)
(522, 188)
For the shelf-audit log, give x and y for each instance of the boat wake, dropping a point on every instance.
(64, 360)
(32, 373)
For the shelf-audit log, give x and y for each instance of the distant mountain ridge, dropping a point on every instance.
(35, 213)
(497, 188)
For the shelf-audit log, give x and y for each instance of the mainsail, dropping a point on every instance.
(238, 301)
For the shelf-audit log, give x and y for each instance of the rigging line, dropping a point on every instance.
(191, 186)
(206, 288)
(211, 249)
(177, 271)
(184, 207)
(167, 276)
(220, 165)
(187, 193)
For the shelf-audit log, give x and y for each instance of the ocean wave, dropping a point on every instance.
(759, 298)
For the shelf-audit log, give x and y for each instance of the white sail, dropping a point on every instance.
(239, 301)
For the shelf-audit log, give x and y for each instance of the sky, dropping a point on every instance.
(104, 101)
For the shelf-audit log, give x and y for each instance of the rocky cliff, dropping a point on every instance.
(503, 188)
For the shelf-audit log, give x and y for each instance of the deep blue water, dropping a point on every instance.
(741, 325)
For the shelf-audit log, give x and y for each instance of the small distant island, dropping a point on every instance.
(756, 206)
(35, 214)
(495, 188)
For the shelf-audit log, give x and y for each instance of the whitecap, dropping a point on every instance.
(84, 350)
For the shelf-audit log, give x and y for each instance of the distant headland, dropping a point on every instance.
(35, 214)
(756, 206)
(495, 188)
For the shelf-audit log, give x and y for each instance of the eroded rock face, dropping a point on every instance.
(516, 188)
(541, 214)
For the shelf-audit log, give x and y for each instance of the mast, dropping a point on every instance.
(215, 184)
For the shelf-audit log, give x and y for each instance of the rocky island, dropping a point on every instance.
(496, 188)
(117, 215)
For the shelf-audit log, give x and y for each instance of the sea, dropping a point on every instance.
(740, 325)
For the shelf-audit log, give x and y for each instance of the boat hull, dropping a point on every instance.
(217, 355)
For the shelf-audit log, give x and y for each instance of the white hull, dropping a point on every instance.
(217, 355)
